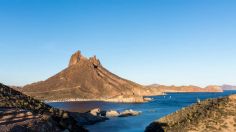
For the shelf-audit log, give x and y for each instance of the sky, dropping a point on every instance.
(170, 42)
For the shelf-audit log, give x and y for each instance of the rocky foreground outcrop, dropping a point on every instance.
(212, 115)
(96, 115)
(86, 79)
(21, 113)
(184, 89)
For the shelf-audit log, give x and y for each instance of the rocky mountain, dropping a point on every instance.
(163, 88)
(228, 87)
(86, 79)
(212, 115)
(21, 113)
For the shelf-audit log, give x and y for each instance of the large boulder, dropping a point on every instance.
(95, 111)
(91, 117)
(127, 113)
(112, 113)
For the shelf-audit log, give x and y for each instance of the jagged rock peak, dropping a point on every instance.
(95, 61)
(76, 57)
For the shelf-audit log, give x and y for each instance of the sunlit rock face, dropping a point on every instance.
(86, 79)
(75, 58)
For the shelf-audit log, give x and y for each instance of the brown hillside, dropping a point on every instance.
(212, 115)
(86, 79)
(21, 113)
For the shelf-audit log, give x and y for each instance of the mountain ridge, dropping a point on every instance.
(228, 87)
(86, 78)
(190, 88)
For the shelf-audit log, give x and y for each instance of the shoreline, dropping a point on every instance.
(193, 92)
(125, 100)
(118, 100)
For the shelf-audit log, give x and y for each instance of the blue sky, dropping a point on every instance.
(172, 42)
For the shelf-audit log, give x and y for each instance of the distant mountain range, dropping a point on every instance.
(228, 87)
(191, 88)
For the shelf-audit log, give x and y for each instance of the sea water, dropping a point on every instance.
(159, 107)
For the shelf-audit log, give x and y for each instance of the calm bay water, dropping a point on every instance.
(159, 107)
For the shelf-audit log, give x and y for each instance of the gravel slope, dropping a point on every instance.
(212, 115)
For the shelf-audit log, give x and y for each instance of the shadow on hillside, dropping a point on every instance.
(10, 116)
(156, 127)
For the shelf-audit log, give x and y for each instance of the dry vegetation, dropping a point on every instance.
(211, 115)
(20, 111)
